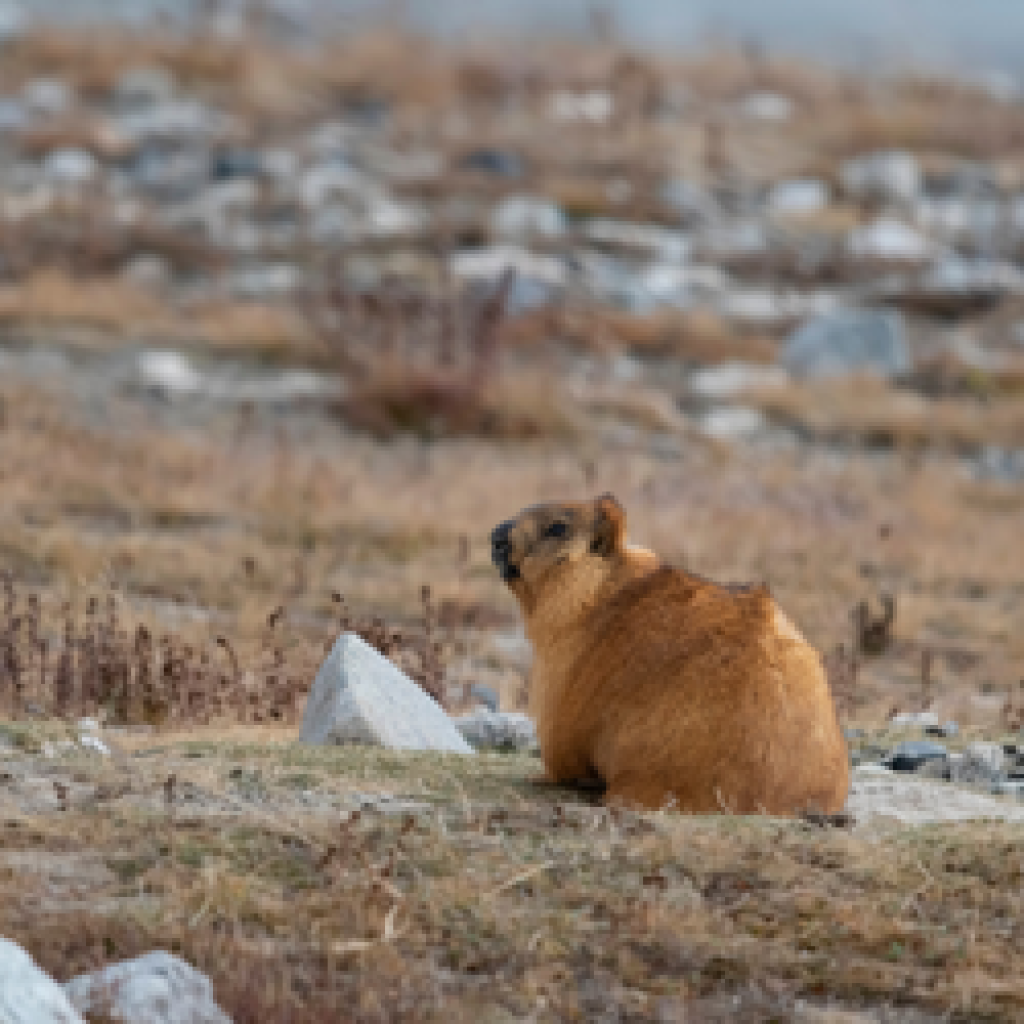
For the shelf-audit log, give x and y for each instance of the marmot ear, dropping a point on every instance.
(609, 526)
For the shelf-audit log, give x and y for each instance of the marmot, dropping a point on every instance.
(661, 686)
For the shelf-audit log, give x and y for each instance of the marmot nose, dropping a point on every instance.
(499, 535)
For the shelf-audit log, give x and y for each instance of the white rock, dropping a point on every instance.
(490, 263)
(877, 793)
(743, 238)
(889, 239)
(732, 423)
(956, 275)
(70, 166)
(890, 175)
(919, 719)
(955, 215)
(48, 96)
(385, 217)
(498, 730)
(594, 105)
(730, 379)
(168, 370)
(269, 280)
(155, 988)
(516, 216)
(766, 106)
(27, 994)
(803, 195)
(324, 182)
(181, 118)
(987, 756)
(279, 163)
(769, 306)
(94, 743)
(361, 697)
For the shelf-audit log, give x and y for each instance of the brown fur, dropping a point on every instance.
(666, 687)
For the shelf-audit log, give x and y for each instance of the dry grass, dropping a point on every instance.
(104, 312)
(494, 900)
(483, 898)
(870, 412)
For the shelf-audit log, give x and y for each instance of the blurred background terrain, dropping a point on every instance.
(298, 300)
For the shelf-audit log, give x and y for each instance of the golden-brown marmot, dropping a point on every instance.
(662, 686)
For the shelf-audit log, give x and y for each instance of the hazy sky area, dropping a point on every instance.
(981, 34)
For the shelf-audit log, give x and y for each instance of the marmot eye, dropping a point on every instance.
(556, 530)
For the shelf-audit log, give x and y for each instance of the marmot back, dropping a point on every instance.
(665, 686)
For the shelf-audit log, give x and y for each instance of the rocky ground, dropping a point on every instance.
(264, 372)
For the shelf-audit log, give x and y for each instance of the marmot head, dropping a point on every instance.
(543, 538)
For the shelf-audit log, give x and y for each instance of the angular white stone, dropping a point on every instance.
(986, 756)
(27, 994)
(155, 988)
(360, 697)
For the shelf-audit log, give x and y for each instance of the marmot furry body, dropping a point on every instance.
(662, 686)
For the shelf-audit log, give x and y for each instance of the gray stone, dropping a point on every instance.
(892, 176)
(155, 988)
(690, 201)
(270, 280)
(521, 215)
(147, 270)
(593, 105)
(912, 754)
(983, 761)
(178, 119)
(498, 730)
(27, 994)
(48, 96)
(849, 341)
(70, 166)
(360, 697)
(889, 239)
(877, 793)
(766, 106)
(13, 115)
(1009, 787)
(732, 423)
(801, 195)
(940, 768)
(139, 88)
(500, 162)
